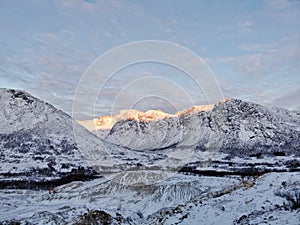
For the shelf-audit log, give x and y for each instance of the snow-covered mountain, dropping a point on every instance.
(37, 143)
(231, 126)
(234, 162)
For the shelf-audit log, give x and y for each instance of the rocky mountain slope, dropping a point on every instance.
(233, 162)
(232, 126)
(37, 143)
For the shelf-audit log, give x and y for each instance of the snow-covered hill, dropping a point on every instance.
(37, 143)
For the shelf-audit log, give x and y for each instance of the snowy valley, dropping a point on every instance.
(233, 162)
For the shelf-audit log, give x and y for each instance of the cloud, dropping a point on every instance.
(82, 4)
(267, 58)
(283, 10)
(259, 47)
(264, 72)
(256, 45)
(289, 101)
(245, 25)
(254, 64)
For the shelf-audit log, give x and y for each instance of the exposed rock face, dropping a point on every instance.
(37, 142)
(250, 129)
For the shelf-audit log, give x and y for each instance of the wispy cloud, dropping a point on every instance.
(288, 101)
(286, 10)
(253, 46)
(245, 26)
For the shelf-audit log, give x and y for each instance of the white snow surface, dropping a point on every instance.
(181, 199)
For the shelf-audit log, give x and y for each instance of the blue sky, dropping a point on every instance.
(252, 46)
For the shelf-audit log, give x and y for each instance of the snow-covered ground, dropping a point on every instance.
(254, 202)
(182, 199)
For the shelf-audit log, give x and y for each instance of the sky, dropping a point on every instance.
(252, 48)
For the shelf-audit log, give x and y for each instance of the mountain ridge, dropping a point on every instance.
(40, 141)
(106, 122)
(214, 164)
(234, 123)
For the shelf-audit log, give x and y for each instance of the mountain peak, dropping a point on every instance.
(106, 122)
(232, 126)
(32, 134)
